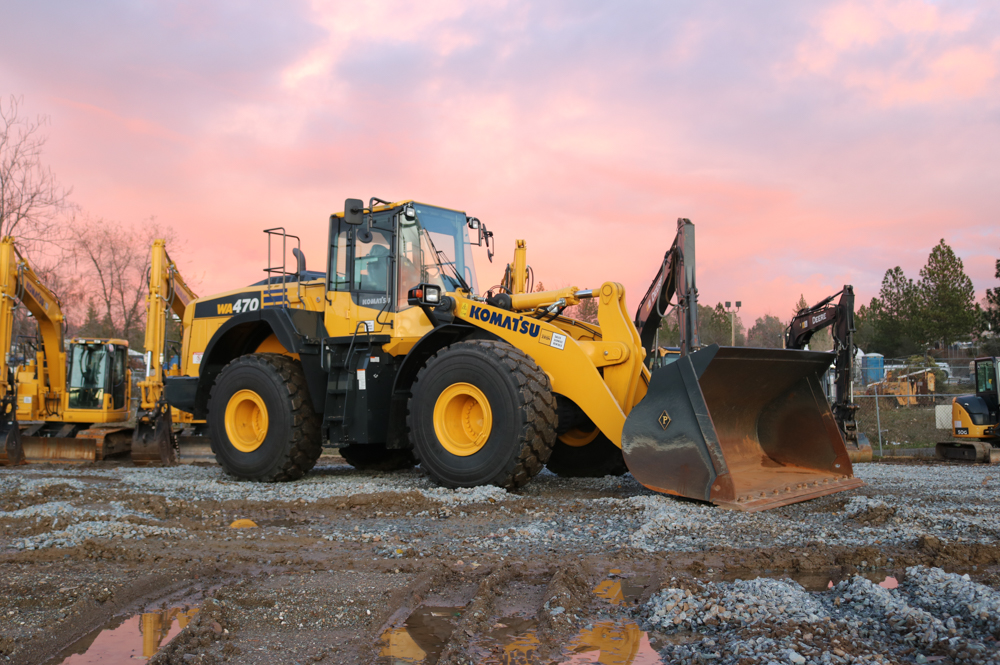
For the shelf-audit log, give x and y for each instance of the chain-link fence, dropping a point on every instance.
(904, 421)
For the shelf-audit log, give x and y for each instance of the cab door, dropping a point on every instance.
(361, 277)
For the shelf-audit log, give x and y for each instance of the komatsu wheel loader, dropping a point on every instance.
(976, 419)
(57, 402)
(394, 354)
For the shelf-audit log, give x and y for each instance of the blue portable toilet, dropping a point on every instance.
(873, 368)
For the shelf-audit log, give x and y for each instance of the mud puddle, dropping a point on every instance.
(513, 640)
(135, 638)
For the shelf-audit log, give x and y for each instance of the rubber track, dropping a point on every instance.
(538, 434)
(305, 435)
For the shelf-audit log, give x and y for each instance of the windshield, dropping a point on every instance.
(432, 249)
(87, 370)
(986, 378)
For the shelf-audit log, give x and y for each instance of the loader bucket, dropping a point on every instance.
(744, 428)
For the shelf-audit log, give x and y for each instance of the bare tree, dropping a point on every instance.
(114, 260)
(30, 196)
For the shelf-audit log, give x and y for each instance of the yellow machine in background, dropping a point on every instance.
(154, 439)
(976, 419)
(56, 410)
(394, 355)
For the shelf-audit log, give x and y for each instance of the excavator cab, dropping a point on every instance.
(97, 376)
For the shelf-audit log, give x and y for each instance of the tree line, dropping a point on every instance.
(98, 268)
(908, 317)
(911, 317)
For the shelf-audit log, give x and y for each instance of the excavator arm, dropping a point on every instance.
(20, 284)
(839, 317)
(676, 277)
(168, 294)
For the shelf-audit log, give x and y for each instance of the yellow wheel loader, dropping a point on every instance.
(393, 354)
(56, 395)
(975, 420)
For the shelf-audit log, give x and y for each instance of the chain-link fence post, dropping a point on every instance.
(878, 423)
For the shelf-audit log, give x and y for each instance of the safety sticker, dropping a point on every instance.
(553, 339)
(27, 399)
(196, 358)
(369, 326)
(361, 379)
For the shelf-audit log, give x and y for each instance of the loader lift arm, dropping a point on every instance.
(676, 276)
(153, 439)
(840, 317)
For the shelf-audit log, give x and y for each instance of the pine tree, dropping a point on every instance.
(587, 310)
(767, 332)
(892, 318)
(946, 297)
(991, 314)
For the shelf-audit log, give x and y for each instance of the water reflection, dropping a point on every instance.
(138, 637)
(513, 641)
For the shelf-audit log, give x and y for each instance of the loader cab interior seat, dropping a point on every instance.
(372, 263)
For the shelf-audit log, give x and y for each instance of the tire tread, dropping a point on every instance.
(538, 431)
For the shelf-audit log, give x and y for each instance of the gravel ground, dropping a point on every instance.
(346, 566)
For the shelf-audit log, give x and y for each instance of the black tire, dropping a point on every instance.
(376, 457)
(597, 459)
(523, 415)
(291, 444)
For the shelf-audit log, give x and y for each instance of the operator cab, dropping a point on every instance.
(379, 253)
(986, 388)
(97, 368)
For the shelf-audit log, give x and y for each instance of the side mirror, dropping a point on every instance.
(354, 212)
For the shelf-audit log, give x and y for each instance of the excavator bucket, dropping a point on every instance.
(153, 439)
(744, 428)
(13, 452)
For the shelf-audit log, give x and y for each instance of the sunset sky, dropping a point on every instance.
(812, 144)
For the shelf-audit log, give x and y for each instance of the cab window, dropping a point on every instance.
(339, 279)
(372, 262)
(986, 377)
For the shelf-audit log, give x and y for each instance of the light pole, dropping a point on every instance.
(732, 320)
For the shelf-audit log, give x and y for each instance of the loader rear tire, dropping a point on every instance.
(596, 459)
(494, 396)
(261, 419)
(376, 457)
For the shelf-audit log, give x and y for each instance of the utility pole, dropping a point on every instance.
(732, 320)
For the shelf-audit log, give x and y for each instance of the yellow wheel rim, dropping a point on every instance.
(246, 421)
(578, 438)
(462, 419)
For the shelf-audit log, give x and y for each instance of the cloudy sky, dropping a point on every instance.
(812, 144)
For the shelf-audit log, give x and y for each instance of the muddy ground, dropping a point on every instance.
(354, 567)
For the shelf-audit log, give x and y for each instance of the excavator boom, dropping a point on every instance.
(153, 439)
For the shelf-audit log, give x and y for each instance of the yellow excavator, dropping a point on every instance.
(394, 355)
(975, 419)
(58, 403)
(154, 439)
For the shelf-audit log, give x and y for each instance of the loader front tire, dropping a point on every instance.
(376, 457)
(482, 413)
(596, 459)
(261, 419)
